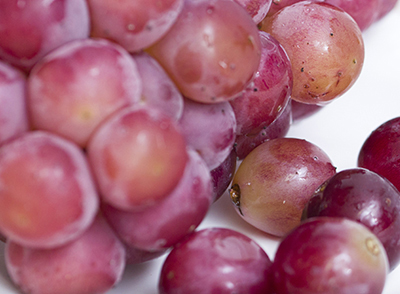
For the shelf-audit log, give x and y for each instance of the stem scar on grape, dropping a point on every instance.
(234, 192)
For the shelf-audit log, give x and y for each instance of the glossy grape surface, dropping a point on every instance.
(216, 260)
(204, 50)
(330, 256)
(275, 181)
(366, 197)
(325, 47)
(380, 151)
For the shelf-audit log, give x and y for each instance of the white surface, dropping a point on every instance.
(339, 129)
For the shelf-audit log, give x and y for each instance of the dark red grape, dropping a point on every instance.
(330, 256)
(381, 151)
(366, 197)
(216, 260)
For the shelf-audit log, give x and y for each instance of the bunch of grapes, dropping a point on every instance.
(123, 122)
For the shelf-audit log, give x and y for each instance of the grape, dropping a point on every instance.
(380, 152)
(257, 9)
(136, 256)
(385, 6)
(325, 47)
(92, 263)
(364, 12)
(210, 129)
(366, 197)
(31, 29)
(134, 24)
(47, 195)
(329, 256)
(223, 174)
(259, 105)
(138, 156)
(158, 89)
(216, 260)
(244, 144)
(275, 181)
(74, 88)
(204, 50)
(163, 225)
(277, 5)
(13, 112)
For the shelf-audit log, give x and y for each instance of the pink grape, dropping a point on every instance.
(138, 156)
(74, 88)
(216, 260)
(13, 110)
(47, 193)
(210, 129)
(257, 9)
(31, 29)
(134, 24)
(165, 224)
(204, 50)
(329, 256)
(92, 263)
(325, 47)
(137, 256)
(262, 102)
(275, 181)
(244, 144)
(158, 89)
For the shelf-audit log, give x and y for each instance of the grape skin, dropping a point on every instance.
(92, 263)
(31, 29)
(47, 193)
(78, 85)
(13, 111)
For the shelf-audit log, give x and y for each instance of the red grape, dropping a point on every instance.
(366, 197)
(330, 256)
(223, 174)
(262, 102)
(216, 260)
(47, 195)
(138, 156)
(31, 29)
(325, 47)
(134, 24)
(204, 50)
(74, 88)
(257, 9)
(275, 181)
(92, 263)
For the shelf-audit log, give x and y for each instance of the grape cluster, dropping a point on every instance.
(123, 122)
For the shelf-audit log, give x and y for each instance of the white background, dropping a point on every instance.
(339, 129)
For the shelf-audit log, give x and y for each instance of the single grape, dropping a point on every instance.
(257, 9)
(366, 197)
(47, 193)
(275, 181)
(216, 260)
(204, 50)
(329, 256)
(325, 47)
(244, 144)
(210, 129)
(223, 174)
(31, 29)
(380, 151)
(92, 263)
(138, 156)
(77, 86)
(262, 102)
(13, 110)
(158, 89)
(134, 24)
